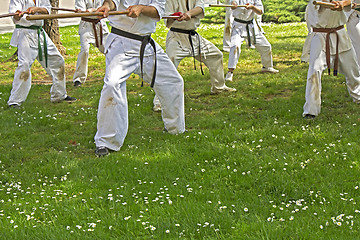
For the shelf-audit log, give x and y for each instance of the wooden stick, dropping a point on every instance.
(224, 5)
(72, 15)
(63, 9)
(325, 4)
(170, 17)
(7, 15)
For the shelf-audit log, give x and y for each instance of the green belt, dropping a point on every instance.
(39, 31)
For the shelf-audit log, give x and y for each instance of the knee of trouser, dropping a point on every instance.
(85, 50)
(219, 54)
(57, 63)
(236, 50)
(112, 84)
(24, 74)
(22, 66)
(267, 47)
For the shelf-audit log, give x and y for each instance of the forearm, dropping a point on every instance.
(150, 11)
(195, 11)
(41, 10)
(110, 4)
(339, 5)
(346, 2)
(256, 10)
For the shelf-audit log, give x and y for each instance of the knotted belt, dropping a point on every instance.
(39, 31)
(144, 41)
(248, 23)
(94, 22)
(191, 33)
(328, 31)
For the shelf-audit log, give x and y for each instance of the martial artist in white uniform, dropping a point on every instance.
(178, 45)
(244, 26)
(353, 28)
(27, 37)
(123, 59)
(323, 20)
(88, 36)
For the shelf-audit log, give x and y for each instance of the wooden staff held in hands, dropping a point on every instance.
(74, 15)
(247, 6)
(64, 9)
(7, 15)
(225, 5)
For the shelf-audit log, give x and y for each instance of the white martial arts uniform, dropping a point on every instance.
(122, 59)
(353, 28)
(239, 34)
(87, 37)
(178, 44)
(26, 40)
(320, 17)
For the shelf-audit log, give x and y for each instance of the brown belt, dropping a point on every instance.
(328, 31)
(94, 22)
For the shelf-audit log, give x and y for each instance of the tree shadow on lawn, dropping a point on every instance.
(293, 36)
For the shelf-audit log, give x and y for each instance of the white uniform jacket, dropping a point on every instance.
(84, 5)
(246, 15)
(173, 6)
(140, 25)
(320, 17)
(30, 34)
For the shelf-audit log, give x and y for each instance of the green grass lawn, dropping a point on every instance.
(249, 166)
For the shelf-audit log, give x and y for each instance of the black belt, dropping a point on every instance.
(247, 29)
(94, 22)
(191, 33)
(144, 41)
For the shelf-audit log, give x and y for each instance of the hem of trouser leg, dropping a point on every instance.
(12, 103)
(176, 131)
(112, 148)
(304, 114)
(58, 99)
(218, 88)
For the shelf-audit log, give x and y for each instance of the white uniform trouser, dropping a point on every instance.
(347, 65)
(82, 60)
(262, 45)
(353, 28)
(22, 78)
(178, 48)
(112, 117)
(227, 28)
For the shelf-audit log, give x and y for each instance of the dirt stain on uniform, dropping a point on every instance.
(315, 87)
(24, 75)
(236, 50)
(61, 74)
(83, 60)
(228, 30)
(110, 102)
